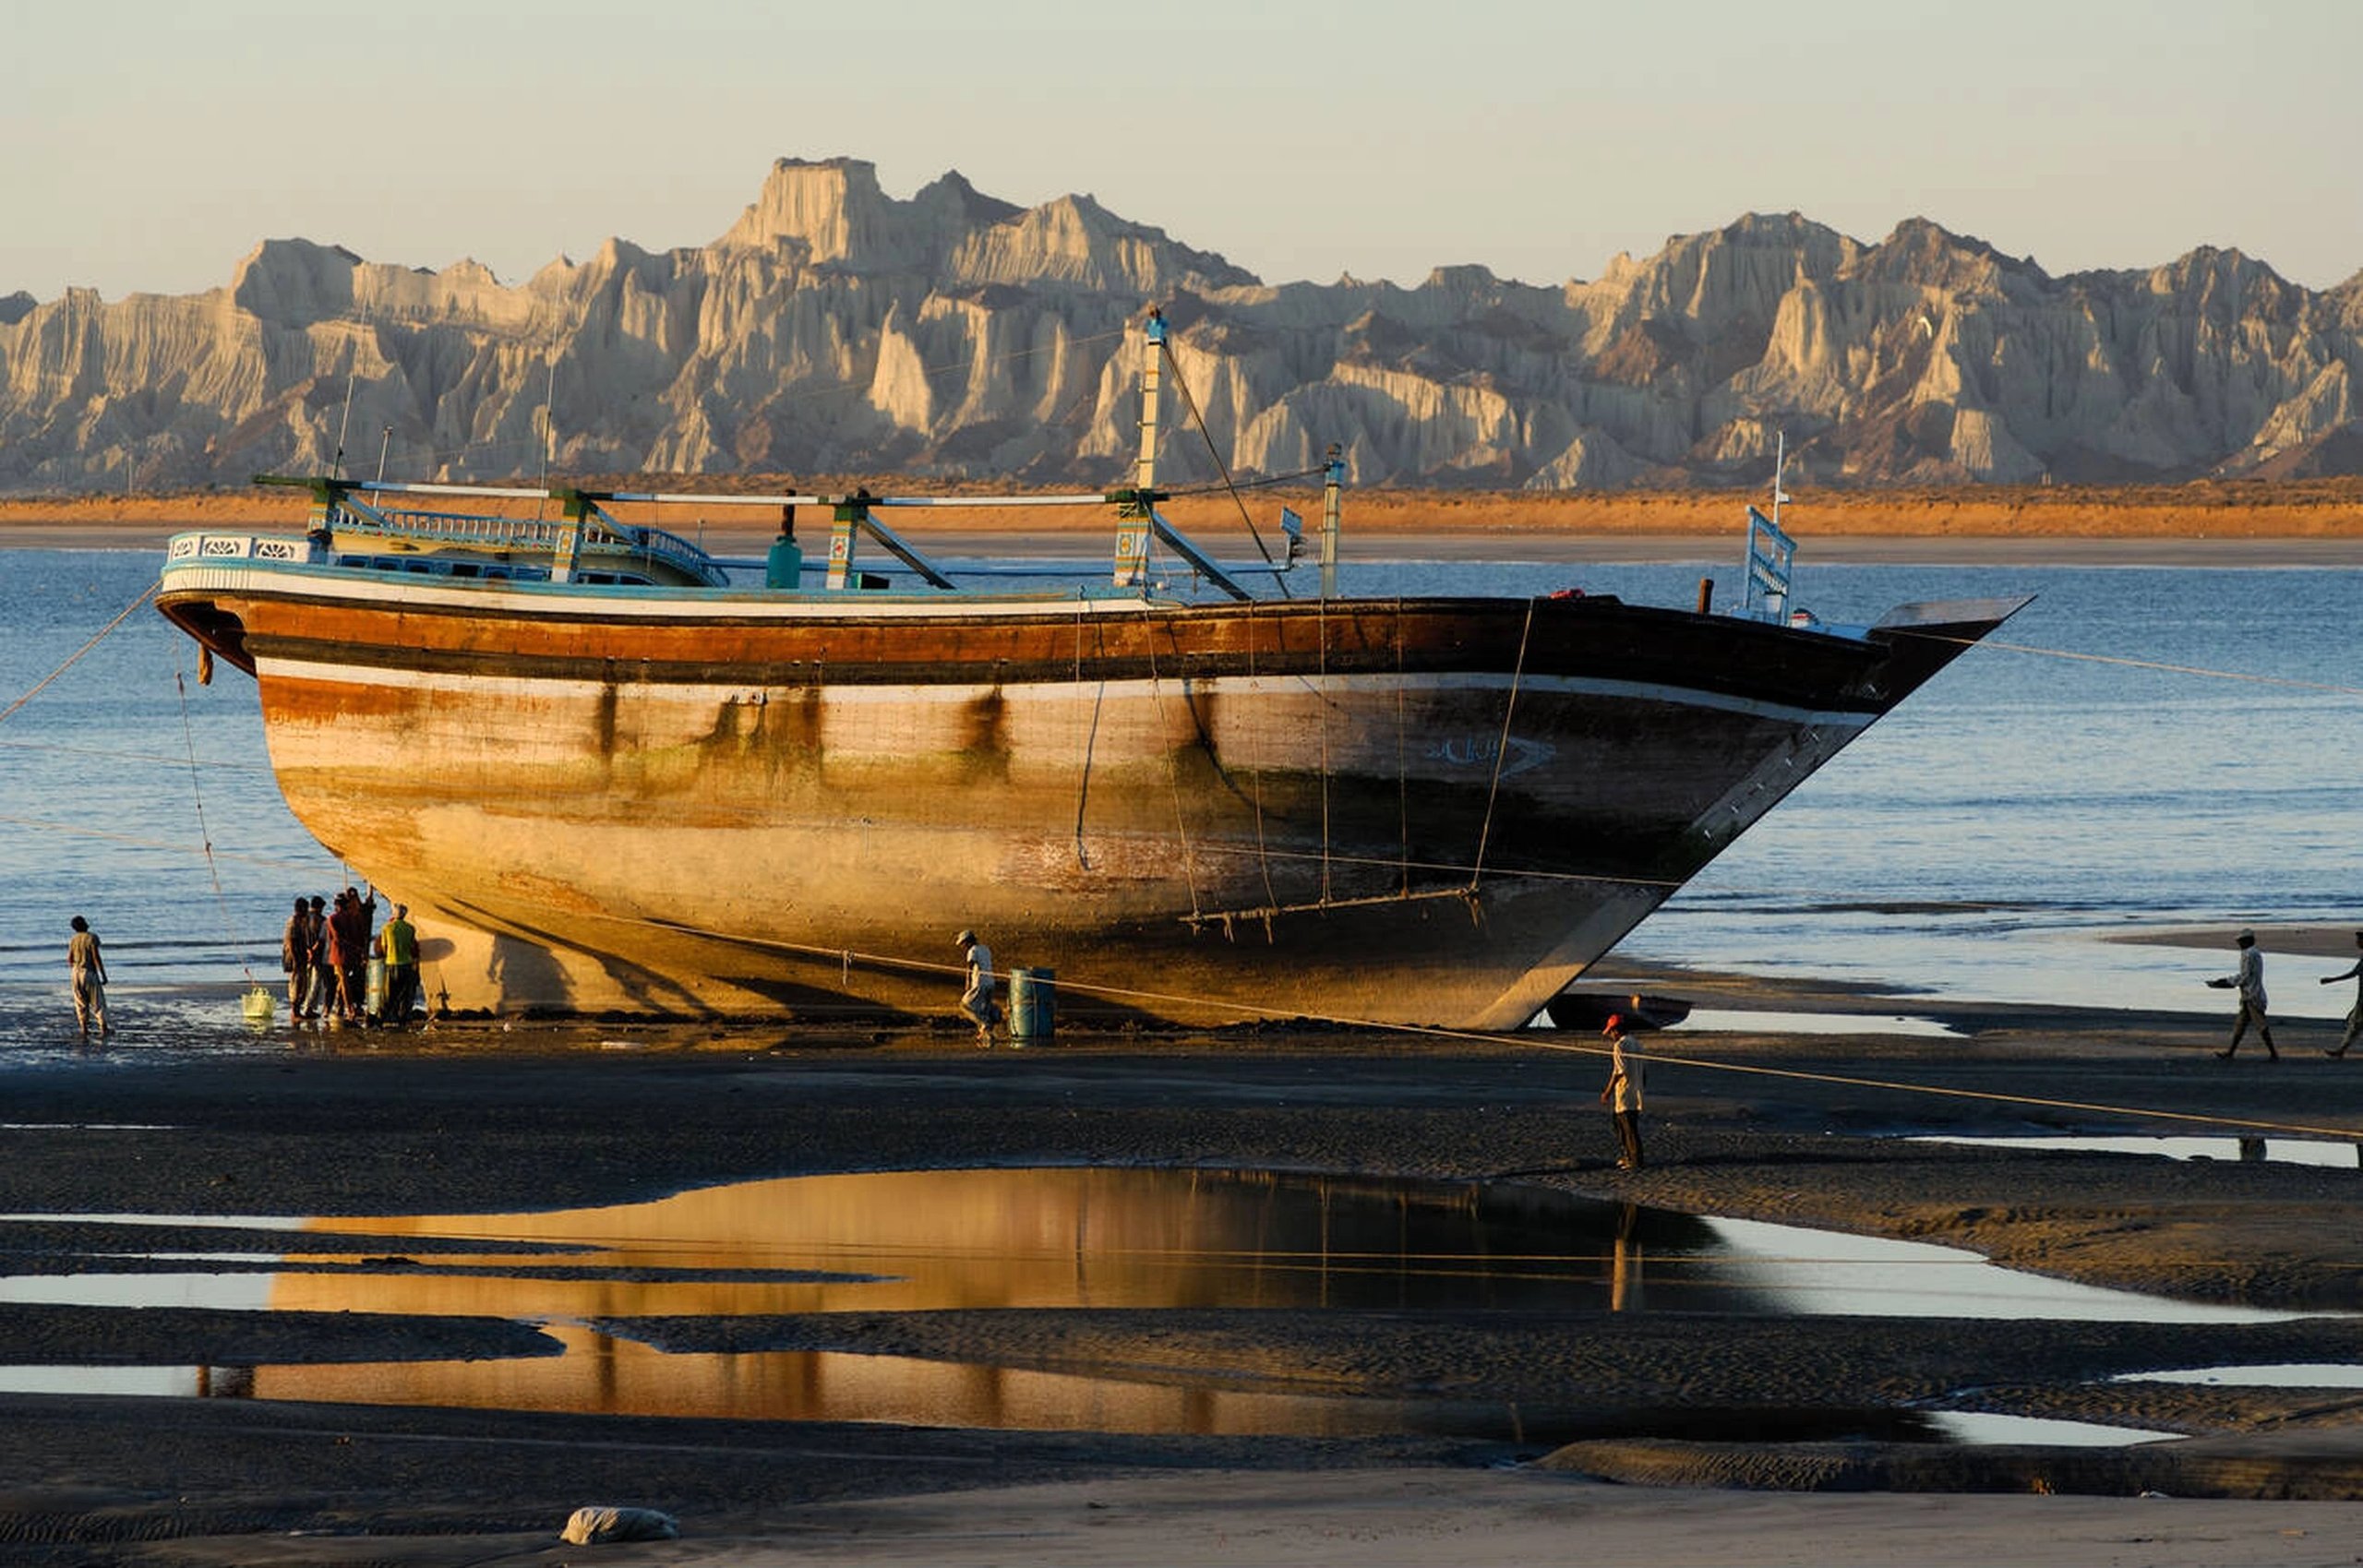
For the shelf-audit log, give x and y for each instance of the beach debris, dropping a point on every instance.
(596, 1525)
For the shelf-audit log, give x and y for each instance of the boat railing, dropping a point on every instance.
(458, 528)
(480, 531)
(662, 545)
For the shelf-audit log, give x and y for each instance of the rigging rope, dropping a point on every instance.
(1328, 706)
(1181, 383)
(1501, 751)
(1266, 483)
(1091, 737)
(1263, 855)
(1402, 758)
(1173, 766)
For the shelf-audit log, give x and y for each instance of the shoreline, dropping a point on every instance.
(2302, 523)
(1716, 552)
(1784, 1127)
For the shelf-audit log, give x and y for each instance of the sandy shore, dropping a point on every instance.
(1683, 1409)
(2307, 522)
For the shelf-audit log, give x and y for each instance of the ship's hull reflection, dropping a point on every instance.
(973, 1239)
(600, 1374)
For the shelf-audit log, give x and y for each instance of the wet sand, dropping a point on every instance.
(1676, 1407)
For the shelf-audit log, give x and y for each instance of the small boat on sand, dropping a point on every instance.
(613, 773)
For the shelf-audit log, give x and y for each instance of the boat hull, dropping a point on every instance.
(1428, 811)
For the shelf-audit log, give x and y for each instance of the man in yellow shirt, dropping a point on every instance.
(397, 945)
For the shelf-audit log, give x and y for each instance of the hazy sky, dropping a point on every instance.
(148, 144)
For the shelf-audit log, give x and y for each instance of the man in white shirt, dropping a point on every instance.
(2250, 978)
(977, 1001)
(1622, 1093)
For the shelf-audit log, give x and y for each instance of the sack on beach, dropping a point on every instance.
(590, 1527)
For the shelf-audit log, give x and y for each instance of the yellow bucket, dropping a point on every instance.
(259, 1004)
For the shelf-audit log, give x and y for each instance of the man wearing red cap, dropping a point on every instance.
(1622, 1093)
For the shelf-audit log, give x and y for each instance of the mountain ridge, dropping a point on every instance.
(834, 328)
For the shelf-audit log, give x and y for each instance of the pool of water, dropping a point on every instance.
(1737, 1021)
(2278, 1374)
(983, 1240)
(2329, 1152)
(1986, 1427)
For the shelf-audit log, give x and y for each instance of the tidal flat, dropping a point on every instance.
(1699, 1413)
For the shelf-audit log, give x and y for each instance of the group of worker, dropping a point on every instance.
(325, 953)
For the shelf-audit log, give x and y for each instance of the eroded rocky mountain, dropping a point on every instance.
(835, 329)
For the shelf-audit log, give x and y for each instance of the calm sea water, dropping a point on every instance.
(1976, 844)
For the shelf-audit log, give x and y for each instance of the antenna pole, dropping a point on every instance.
(352, 370)
(1333, 485)
(549, 421)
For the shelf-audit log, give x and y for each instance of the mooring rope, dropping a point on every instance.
(112, 754)
(1988, 1097)
(2200, 670)
(135, 841)
(96, 638)
(189, 733)
(1517, 1039)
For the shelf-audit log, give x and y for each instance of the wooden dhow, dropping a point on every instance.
(611, 773)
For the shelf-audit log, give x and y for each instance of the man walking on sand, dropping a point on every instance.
(1622, 1093)
(976, 1001)
(2250, 978)
(2354, 1013)
(87, 968)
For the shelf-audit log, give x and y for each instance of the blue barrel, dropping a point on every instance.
(1033, 1004)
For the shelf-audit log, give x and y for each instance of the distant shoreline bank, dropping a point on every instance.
(2308, 523)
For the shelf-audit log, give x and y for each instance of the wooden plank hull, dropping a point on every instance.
(1432, 811)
